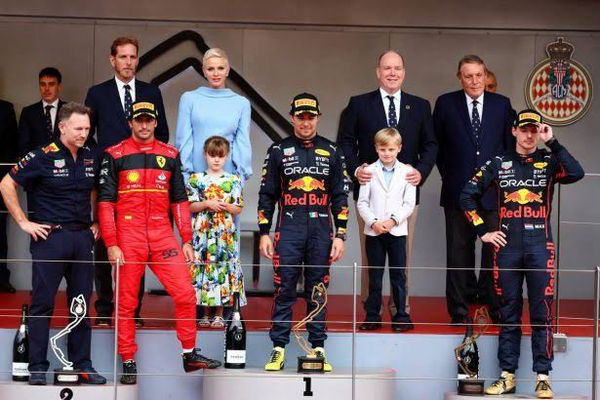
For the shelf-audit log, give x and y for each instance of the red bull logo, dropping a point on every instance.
(474, 217)
(261, 218)
(523, 196)
(311, 199)
(524, 212)
(307, 183)
(343, 215)
(549, 290)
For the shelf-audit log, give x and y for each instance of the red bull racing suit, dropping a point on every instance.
(308, 179)
(139, 186)
(525, 186)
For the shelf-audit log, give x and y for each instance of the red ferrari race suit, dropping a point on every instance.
(139, 184)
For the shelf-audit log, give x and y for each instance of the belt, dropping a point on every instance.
(67, 227)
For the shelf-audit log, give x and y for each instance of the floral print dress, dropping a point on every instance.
(217, 275)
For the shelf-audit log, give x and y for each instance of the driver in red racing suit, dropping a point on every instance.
(140, 182)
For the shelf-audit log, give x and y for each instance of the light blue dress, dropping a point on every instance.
(206, 112)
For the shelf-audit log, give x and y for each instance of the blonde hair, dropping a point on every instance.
(216, 146)
(217, 53)
(387, 136)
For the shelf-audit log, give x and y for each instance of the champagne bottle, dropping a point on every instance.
(470, 354)
(20, 363)
(235, 338)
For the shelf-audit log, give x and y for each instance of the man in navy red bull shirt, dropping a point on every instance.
(525, 181)
(306, 175)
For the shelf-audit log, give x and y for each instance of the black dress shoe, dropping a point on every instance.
(139, 321)
(6, 287)
(402, 326)
(37, 378)
(458, 320)
(102, 322)
(369, 326)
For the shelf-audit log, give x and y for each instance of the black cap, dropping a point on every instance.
(526, 117)
(143, 108)
(305, 103)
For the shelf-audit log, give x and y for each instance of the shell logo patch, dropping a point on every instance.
(133, 176)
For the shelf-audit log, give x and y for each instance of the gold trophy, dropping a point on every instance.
(311, 362)
(467, 355)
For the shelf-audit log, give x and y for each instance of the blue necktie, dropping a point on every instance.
(128, 102)
(49, 128)
(475, 120)
(392, 119)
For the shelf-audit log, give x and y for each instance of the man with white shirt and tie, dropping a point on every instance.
(471, 126)
(37, 124)
(387, 106)
(111, 103)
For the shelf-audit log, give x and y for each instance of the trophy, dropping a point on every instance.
(467, 355)
(67, 375)
(311, 362)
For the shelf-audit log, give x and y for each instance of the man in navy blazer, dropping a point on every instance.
(111, 102)
(471, 126)
(8, 154)
(366, 114)
(37, 123)
(108, 99)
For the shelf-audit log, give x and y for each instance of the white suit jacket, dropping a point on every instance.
(378, 202)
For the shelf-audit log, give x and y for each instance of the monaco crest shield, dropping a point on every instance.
(559, 87)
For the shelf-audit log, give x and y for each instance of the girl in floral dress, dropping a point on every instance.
(215, 197)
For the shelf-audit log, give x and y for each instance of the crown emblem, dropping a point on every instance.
(559, 50)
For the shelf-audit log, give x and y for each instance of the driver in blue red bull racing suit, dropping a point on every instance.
(306, 175)
(525, 180)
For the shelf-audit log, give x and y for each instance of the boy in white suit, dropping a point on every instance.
(385, 203)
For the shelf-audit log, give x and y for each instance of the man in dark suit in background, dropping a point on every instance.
(471, 126)
(8, 154)
(37, 124)
(388, 106)
(111, 102)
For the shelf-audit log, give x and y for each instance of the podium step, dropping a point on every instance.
(22, 390)
(558, 396)
(373, 383)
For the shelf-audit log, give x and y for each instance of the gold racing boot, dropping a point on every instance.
(542, 387)
(505, 384)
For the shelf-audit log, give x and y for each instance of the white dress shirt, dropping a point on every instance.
(121, 89)
(479, 106)
(53, 110)
(386, 103)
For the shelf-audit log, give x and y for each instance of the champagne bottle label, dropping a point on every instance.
(235, 357)
(20, 369)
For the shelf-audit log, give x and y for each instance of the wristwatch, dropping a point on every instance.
(341, 235)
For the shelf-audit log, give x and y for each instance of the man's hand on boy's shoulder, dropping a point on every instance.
(413, 177)
(363, 174)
